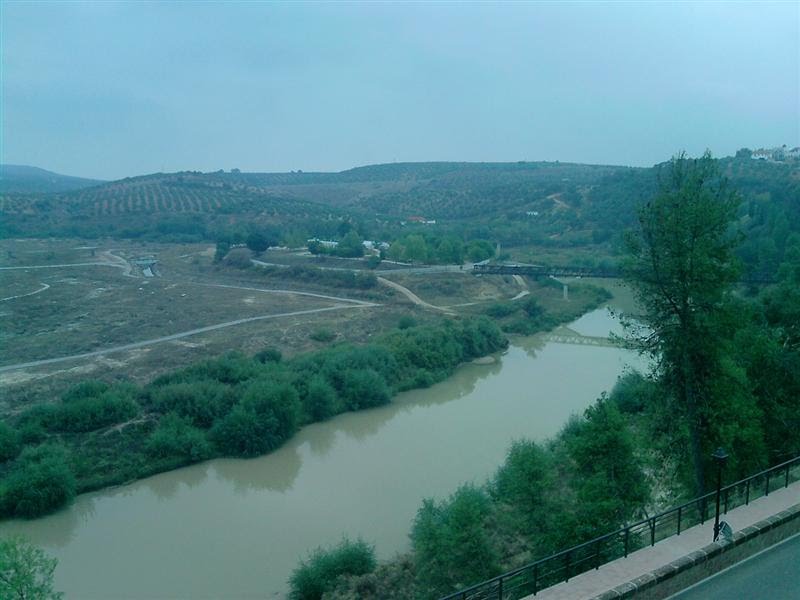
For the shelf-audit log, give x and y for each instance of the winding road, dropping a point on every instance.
(113, 260)
(41, 289)
(413, 297)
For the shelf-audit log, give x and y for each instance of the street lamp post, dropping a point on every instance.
(720, 456)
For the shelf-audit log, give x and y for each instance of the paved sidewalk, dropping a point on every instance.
(592, 583)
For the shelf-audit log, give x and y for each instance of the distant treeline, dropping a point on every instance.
(554, 205)
(241, 258)
(527, 316)
(98, 434)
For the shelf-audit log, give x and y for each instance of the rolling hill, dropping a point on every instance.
(523, 203)
(33, 180)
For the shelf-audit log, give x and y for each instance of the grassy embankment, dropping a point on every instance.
(99, 434)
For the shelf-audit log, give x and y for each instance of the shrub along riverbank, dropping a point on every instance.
(543, 498)
(100, 434)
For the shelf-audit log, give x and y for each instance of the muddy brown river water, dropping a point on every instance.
(236, 528)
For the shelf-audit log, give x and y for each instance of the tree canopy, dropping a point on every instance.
(681, 264)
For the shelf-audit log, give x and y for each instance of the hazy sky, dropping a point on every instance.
(115, 89)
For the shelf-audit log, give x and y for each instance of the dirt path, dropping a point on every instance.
(177, 336)
(291, 292)
(86, 264)
(41, 289)
(413, 297)
(118, 261)
(521, 282)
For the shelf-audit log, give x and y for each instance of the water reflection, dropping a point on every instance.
(278, 470)
(54, 531)
(531, 344)
(275, 472)
(173, 534)
(165, 488)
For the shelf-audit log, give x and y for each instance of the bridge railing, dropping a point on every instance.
(562, 566)
(567, 271)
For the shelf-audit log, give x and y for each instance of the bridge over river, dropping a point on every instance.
(565, 335)
(537, 271)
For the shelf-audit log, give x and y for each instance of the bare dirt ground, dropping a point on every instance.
(107, 320)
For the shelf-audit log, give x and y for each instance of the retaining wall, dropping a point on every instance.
(688, 570)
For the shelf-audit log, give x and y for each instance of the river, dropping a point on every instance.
(236, 528)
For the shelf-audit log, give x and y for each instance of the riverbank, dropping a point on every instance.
(101, 435)
(359, 474)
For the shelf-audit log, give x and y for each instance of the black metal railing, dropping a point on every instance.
(560, 567)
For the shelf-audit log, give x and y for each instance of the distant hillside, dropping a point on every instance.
(437, 190)
(515, 204)
(22, 179)
(188, 205)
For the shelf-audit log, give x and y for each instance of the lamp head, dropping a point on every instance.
(720, 456)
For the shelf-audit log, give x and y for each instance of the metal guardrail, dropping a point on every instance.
(560, 567)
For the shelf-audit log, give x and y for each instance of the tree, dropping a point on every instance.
(611, 485)
(10, 444)
(351, 245)
(26, 572)
(265, 418)
(525, 482)
(479, 250)
(321, 570)
(320, 400)
(239, 258)
(451, 544)
(40, 482)
(258, 242)
(681, 266)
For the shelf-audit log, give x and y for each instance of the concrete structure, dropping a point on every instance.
(681, 560)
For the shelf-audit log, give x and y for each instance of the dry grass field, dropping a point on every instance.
(107, 319)
(50, 310)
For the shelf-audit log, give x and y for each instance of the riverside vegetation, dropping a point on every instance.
(100, 434)
(726, 373)
(736, 384)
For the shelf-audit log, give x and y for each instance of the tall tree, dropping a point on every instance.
(26, 572)
(681, 266)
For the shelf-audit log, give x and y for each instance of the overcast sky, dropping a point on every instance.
(110, 90)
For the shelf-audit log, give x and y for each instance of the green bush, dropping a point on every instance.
(326, 277)
(26, 572)
(406, 322)
(239, 258)
(268, 355)
(87, 413)
(320, 401)
(323, 335)
(363, 388)
(85, 389)
(39, 482)
(321, 570)
(451, 544)
(525, 482)
(10, 443)
(611, 486)
(175, 437)
(498, 310)
(265, 418)
(633, 392)
(230, 368)
(200, 402)
(532, 308)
